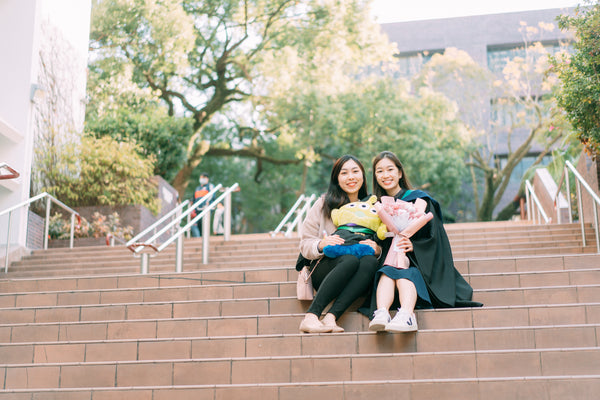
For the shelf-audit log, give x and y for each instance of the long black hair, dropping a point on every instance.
(335, 196)
(404, 182)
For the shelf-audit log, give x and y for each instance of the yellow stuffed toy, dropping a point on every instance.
(355, 222)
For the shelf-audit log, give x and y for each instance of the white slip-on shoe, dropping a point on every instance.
(402, 322)
(380, 319)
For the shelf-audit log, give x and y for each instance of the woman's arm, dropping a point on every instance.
(312, 231)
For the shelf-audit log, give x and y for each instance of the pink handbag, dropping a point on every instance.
(304, 287)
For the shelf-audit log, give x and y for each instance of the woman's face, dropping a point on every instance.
(388, 176)
(351, 179)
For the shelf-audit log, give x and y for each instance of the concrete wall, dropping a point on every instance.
(545, 189)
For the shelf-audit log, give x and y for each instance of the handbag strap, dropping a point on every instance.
(313, 269)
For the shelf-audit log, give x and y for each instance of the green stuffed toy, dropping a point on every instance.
(356, 222)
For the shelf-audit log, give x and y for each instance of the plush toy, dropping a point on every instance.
(355, 222)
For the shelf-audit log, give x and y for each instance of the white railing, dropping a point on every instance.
(535, 211)
(173, 214)
(300, 213)
(49, 200)
(150, 247)
(595, 200)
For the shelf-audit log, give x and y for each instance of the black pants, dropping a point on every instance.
(344, 279)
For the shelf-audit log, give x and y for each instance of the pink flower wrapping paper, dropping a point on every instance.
(401, 218)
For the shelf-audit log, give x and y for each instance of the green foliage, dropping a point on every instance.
(375, 115)
(579, 93)
(200, 58)
(103, 172)
(157, 136)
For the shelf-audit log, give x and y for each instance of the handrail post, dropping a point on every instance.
(72, 230)
(580, 212)
(596, 227)
(528, 204)
(227, 217)
(179, 254)
(205, 236)
(47, 227)
(144, 263)
(188, 219)
(569, 195)
(7, 243)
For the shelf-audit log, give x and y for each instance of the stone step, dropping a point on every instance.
(218, 324)
(194, 259)
(496, 296)
(471, 267)
(499, 388)
(261, 242)
(280, 345)
(135, 310)
(80, 305)
(589, 259)
(574, 361)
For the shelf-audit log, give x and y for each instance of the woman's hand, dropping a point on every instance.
(374, 245)
(404, 244)
(330, 241)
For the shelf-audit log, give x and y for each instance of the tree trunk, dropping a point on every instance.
(182, 179)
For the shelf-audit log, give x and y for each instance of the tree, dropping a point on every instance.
(579, 73)
(103, 172)
(523, 113)
(201, 58)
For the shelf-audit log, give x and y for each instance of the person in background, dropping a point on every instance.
(341, 279)
(201, 191)
(431, 280)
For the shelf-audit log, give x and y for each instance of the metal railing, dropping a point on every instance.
(533, 205)
(595, 200)
(49, 200)
(150, 247)
(10, 174)
(173, 214)
(300, 213)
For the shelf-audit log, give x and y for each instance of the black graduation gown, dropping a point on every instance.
(432, 255)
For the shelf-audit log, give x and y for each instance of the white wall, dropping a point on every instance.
(20, 38)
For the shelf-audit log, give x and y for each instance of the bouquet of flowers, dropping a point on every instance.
(403, 219)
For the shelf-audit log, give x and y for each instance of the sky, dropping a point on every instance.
(411, 10)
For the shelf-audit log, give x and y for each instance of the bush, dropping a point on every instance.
(103, 172)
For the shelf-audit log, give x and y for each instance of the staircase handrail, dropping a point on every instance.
(146, 249)
(156, 224)
(307, 203)
(580, 181)
(137, 247)
(532, 198)
(49, 200)
(12, 173)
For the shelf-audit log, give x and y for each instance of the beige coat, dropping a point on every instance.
(312, 229)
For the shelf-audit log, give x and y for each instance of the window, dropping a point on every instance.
(410, 65)
(498, 57)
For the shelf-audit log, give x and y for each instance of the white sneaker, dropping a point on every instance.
(380, 319)
(402, 322)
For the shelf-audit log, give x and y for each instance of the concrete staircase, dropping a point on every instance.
(82, 324)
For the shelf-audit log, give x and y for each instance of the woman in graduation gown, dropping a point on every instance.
(431, 281)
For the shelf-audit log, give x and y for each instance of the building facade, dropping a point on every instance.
(27, 28)
(489, 40)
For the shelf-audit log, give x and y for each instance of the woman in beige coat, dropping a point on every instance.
(344, 278)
